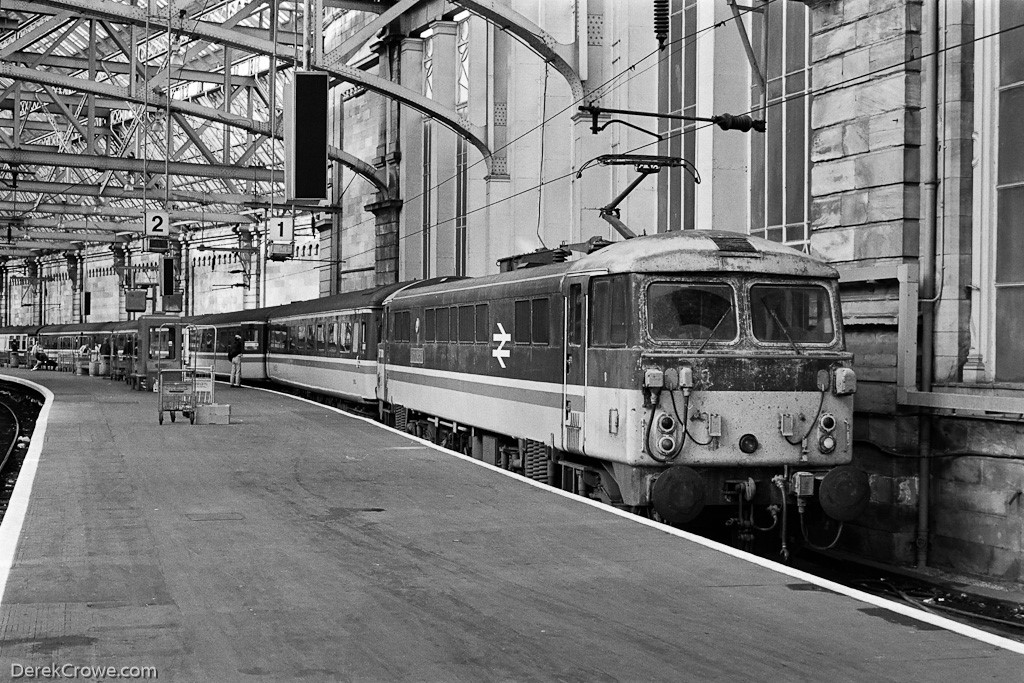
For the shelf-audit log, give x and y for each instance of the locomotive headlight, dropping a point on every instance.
(667, 445)
(827, 422)
(748, 443)
(666, 423)
(827, 443)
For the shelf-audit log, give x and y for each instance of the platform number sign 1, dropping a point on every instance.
(157, 224)
(280, 229)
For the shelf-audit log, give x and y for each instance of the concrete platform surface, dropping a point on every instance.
(300, 544)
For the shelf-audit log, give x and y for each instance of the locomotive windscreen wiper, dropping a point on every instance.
(782, 325)
(715, 328)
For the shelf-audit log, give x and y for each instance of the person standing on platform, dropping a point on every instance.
(235, 356)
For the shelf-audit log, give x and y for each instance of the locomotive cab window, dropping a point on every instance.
(682, 311)
(609, 306)
(791, 314)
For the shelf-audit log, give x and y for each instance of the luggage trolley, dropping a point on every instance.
(203, 377)
(176, 388)
(177, 391)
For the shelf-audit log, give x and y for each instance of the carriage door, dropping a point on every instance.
(382, 336)
(574, 366)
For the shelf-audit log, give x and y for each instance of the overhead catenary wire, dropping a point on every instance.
(629, 70)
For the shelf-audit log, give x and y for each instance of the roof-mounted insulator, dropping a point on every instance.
(661, 22)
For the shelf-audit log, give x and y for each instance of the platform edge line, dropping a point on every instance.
(861, 596)
(17, 509)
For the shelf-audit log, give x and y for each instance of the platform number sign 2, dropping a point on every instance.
(157, 224)
(280, 229)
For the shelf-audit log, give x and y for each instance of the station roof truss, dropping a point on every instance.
(109, 108)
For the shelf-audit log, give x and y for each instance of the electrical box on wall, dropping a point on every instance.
(172, 303)
(135, 300)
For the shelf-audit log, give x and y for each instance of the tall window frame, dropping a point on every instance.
(997, 261)
(461, 147)
(780, 159)
(677, 94)
(427, 149)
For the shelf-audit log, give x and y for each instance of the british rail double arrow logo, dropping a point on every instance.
(502, 337)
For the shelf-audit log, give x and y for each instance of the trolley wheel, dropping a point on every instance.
(172, 416)
(161, 417)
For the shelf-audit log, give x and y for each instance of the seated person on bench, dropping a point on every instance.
(42, 360)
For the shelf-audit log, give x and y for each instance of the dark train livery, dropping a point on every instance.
(664, 373)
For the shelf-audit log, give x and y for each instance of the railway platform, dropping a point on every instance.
(299, 543)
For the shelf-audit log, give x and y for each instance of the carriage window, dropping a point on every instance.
(442, 324)
(481, 323)
(429, 327)
(310, 339)
(453, 323)
(320, 337)
(608, 306)
(356, 336)
(691, 312)
(278, 340)
(161, 343)
(346, 336)
(791, 313)
(332, 337)
(467, 325)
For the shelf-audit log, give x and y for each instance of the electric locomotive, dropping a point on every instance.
(664, 373)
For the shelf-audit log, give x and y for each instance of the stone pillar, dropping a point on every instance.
(411, 170)
(328, 234)
(865, 211)
(247, 262)
(386, 212)
(592, 189)
(120, 254)
(35, 289)
(445, 147)
(73, 259)
(5, 297)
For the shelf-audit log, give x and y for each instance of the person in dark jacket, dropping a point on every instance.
(235, 356)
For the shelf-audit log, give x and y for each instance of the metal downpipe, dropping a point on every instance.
(928, 258)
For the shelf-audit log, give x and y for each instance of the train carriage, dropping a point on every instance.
(15, 342)
(207, 338)
(329, 345)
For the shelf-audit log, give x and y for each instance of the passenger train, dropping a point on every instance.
(671, 374)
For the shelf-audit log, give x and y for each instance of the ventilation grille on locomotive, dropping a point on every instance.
(535, 460)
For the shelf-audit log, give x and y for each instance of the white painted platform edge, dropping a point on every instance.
(899, 608)
(14, 519)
